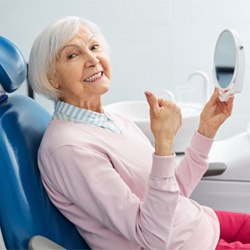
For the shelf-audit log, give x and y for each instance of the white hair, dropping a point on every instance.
(46, 48)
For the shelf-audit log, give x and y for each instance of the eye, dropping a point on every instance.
(71, 56)
(95, 46)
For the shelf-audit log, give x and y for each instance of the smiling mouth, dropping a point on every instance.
(94, 77)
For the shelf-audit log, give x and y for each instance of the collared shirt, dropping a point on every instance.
(69, 112)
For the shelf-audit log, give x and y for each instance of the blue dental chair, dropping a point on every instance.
(28, 220)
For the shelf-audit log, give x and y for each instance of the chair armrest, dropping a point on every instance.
(42, 243)
(215, 168)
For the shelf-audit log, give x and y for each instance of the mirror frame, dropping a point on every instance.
(236, 83)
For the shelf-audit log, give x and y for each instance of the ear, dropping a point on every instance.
(54, 83)
(54, 80)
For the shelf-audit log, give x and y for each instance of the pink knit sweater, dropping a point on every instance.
(119, 194)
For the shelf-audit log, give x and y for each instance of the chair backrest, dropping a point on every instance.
(25, 209)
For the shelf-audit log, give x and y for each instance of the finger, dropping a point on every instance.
(162, 103)
(152, 101)
(214, 96)
(230, 104)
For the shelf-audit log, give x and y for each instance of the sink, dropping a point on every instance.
(138, 111)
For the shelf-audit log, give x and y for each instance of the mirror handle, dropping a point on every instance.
(224, 96)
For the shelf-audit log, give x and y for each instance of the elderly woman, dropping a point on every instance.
(101, 171)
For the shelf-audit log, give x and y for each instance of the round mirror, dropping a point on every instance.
(228, 64)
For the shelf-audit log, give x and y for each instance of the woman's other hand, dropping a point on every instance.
(214, 114)
(165, 118)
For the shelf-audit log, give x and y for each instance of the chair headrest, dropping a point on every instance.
(13, 68)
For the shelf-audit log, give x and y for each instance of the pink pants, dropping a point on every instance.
(234, 230)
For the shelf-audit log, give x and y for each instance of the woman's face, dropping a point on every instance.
(83, 71)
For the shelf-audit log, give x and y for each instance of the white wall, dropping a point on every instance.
(155, 44)
(195, 27)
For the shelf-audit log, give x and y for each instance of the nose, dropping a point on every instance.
(91, 59)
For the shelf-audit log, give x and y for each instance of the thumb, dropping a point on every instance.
(152, 100)
(214, 96)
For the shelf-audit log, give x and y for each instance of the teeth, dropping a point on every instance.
(93, 77)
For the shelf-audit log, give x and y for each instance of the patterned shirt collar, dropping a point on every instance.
(68, 112)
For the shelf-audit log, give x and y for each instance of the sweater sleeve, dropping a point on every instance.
(89, 180)
(194, 164)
